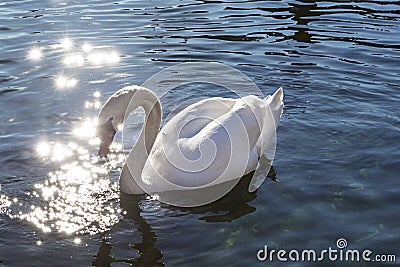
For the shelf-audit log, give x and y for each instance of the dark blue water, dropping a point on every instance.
(338, 149)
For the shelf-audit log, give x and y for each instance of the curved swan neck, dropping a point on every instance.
(142, 97)
(118, 107)
(152, 122)
(125, 101)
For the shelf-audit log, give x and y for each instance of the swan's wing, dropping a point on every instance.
(195, 117)
(216, 150)
(242, 120)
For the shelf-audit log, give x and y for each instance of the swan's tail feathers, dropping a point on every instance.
(275, 103)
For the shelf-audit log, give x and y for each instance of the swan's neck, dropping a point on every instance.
(152, 108)
(137, 157)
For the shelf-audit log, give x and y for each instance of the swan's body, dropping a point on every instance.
(210, 142)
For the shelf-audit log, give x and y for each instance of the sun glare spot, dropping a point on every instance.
(72, 82)
(74, 60)
(86, 129)
(63, 82)
(43, 149)
(100, 58)
(48, 192)
(73, 146)
(60, 152)
(97, 58)
(97, 104)
(96, 94)
(113, 57)
(35, 54)
(66, 43)
(116, 146)
(87, 48)
(94, 141)
(92, 105)
(76, 198)
(5, 203)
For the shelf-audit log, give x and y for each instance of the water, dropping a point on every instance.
(338, 142)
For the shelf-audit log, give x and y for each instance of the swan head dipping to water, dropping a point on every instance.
(117, 109)
(207, 143)
(106, 133)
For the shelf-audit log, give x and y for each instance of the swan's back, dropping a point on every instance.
(212, 141)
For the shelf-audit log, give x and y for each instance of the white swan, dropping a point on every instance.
(210, 142)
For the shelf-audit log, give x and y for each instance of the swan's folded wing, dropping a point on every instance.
(220, 151)
(195, 117)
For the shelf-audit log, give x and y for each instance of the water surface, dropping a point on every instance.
(337, 155)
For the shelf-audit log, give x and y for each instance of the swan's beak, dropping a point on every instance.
(103, 152)
(106, 134)
(104, 148)
(106, 138)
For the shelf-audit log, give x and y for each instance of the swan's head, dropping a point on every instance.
(106, 132)
(118, 107)
(111, 116)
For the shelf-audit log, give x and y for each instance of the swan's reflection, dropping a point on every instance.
(149, 255)
(232, 206)
(303, 11)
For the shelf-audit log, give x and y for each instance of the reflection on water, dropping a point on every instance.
(302, 10)
(88, 127)
(149, 255)
(87, 47)
(5, 203)
(63, 82)
(66, 43)
(232, 206)
(94, 104)
(73, 57)
(101, 58)
(78, 197)
(74, 60)
(35, 54)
